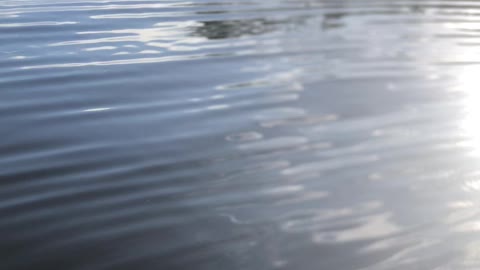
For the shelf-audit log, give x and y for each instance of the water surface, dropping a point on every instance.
(235, 134)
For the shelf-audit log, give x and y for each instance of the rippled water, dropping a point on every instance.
(234, 134)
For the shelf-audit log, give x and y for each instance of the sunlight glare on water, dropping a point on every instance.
(469, 83)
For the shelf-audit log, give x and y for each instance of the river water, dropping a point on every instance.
(236, 134)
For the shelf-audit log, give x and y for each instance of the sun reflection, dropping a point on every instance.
(469, 84)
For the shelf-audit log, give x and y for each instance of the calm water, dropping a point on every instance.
(232, 134)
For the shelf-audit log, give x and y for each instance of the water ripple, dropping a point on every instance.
(277, 134)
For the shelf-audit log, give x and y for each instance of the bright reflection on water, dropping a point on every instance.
(469, 81)
(309, 134)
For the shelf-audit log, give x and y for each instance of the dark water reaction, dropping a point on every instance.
(235, 134)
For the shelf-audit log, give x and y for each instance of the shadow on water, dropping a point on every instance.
(239, 28)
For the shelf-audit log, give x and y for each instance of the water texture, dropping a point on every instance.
(235, 134)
